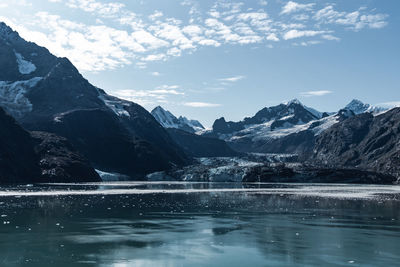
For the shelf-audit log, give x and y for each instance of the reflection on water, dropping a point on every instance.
(199, 224)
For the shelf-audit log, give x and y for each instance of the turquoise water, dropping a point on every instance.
(199, 224)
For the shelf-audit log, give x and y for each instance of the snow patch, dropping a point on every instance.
(24, 66)
(12, 96)
(115, 104)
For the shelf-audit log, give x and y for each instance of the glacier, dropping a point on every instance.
(12, 96)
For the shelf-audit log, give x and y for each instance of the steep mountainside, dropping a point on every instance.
(364, 141)
(39, 157)
(46, 93)
(168, 120)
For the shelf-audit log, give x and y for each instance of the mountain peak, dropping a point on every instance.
(6, 33)
(357, 106)
(293, 101)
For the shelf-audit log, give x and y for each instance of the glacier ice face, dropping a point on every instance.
(24, 66)
(12, 96)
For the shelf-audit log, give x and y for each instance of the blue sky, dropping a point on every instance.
(211, 58)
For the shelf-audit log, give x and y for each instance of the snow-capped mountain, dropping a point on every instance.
(168, 120)
(290, 127)
(359, 107)
(283, 116)
(47, 93)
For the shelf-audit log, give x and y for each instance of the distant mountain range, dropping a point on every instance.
(289, 127)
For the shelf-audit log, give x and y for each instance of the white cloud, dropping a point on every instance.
(120, 37)
(2, 5)
(156, 15)
(272, 37)
(262, 2)
(209, 42)
(155, 57)
(316, 93)
(201, 105)
(292, 7)
(292, 34)
(355, 20)
(233, 79)
(155, 73)
(330, 37)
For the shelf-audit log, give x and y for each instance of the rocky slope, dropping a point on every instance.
(39, 157)
(46, 93)
(363, 141)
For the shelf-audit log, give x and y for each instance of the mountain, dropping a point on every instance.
(278, 117)
(47, 93)
(267, 129)
(290, 127)
(359, 107)
(168, 120)
(182, 131)
(200, 146)
(365, 141)
(39, 157)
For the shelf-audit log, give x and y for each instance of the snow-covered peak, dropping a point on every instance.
(168, 120)
(165, 118)
(293, 101)
(357, 106)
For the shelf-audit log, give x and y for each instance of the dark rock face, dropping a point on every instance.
(61, 90)
(100, 135)
(311, 174)
(199, 146)
(40, 157)
(18, 160)
(60, 162)
(368, 142)
(60, 100)
(224, 127)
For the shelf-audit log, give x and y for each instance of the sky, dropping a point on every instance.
(210, 58)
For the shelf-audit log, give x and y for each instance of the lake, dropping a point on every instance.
(199, 224)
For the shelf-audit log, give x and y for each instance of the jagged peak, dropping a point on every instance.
(6, 32)
(356, 101)
(160, 108)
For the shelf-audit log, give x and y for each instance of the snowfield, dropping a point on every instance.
(24, 66)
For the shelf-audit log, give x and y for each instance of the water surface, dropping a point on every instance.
(199, 224)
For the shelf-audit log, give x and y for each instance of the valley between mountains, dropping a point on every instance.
(55, 126)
